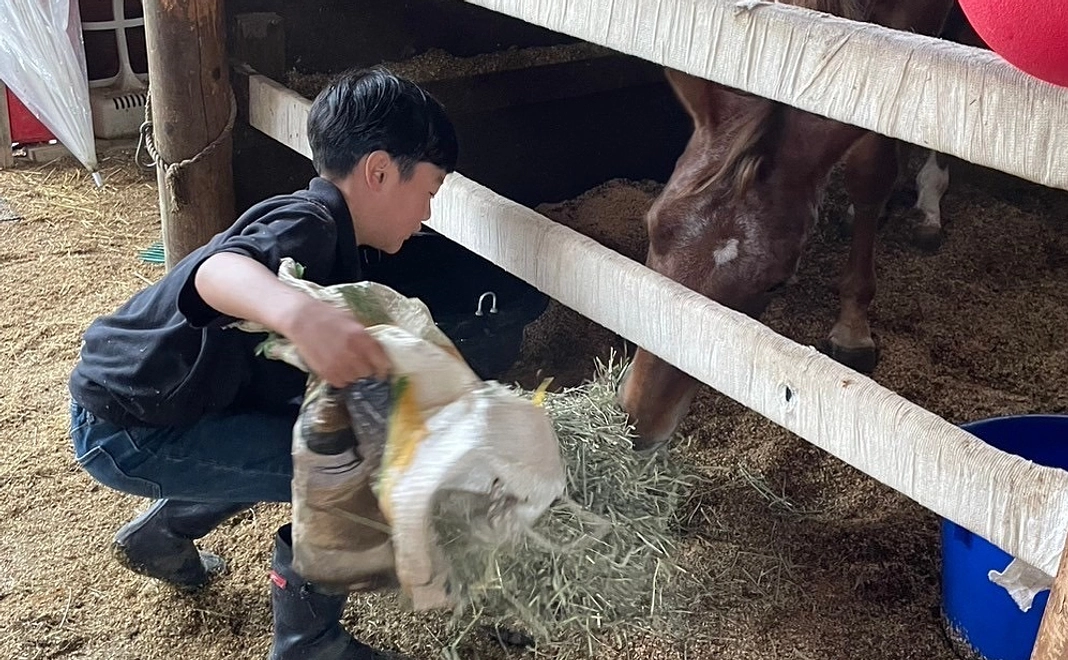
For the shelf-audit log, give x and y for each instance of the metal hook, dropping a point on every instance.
(366, 254)
(143, 139)
(493, 305)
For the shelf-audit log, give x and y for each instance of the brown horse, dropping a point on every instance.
(734, 215)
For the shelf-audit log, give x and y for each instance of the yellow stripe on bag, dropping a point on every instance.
(539, 394)
(407, 429)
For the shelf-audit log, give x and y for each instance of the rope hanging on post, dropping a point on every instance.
(172, 171)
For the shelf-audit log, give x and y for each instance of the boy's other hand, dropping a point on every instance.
(334, 345)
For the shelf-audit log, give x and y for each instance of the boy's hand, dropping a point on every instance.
(334, 345)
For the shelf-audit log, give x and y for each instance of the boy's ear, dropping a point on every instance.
(376, 169)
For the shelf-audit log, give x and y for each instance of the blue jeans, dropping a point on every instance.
(240, 457)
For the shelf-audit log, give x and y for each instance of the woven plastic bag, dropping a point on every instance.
(373, 461)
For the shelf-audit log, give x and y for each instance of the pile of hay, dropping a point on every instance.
(595, 566)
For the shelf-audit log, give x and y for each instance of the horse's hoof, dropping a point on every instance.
(925, 235)
(928, 238)
(857, 359)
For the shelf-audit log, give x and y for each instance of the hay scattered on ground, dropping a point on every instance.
(599, 563)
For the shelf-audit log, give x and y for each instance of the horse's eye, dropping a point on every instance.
(777, 287)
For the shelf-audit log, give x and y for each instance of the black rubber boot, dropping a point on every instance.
(307, 621)
(159, 542)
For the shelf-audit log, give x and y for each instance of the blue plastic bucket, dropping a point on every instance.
(981, 615)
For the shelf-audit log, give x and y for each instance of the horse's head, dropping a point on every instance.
(731, 221)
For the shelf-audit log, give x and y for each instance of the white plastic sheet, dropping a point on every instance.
(42, 60)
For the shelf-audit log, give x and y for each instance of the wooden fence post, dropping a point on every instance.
(1052, 642)
(192, 113)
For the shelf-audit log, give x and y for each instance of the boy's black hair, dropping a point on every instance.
(367, 110)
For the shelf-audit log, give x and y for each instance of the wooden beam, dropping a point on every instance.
(191, 120)
(1052, 642)
(272, 108)
(7, 159)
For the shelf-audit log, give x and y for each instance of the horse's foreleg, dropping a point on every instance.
(931, 184)
(902, 197)
(870, 172)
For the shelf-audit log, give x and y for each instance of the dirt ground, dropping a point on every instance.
(796, 554)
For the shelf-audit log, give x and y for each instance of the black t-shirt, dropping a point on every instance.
(165, 358)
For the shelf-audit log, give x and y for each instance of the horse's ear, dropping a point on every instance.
(695, 94)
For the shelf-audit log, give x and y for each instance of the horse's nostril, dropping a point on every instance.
(644, 437)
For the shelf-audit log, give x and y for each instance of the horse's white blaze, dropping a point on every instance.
(727, 253)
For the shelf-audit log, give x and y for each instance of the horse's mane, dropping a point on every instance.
(752, 132)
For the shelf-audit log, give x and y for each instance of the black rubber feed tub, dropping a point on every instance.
(482, 308)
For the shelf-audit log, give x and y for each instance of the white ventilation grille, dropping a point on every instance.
(129, 101)
(116, 113)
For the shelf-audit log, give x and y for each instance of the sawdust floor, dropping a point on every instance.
(832, 565)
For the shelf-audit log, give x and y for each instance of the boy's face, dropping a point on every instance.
(396, 207)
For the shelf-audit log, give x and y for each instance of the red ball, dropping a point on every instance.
(1032, 35)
